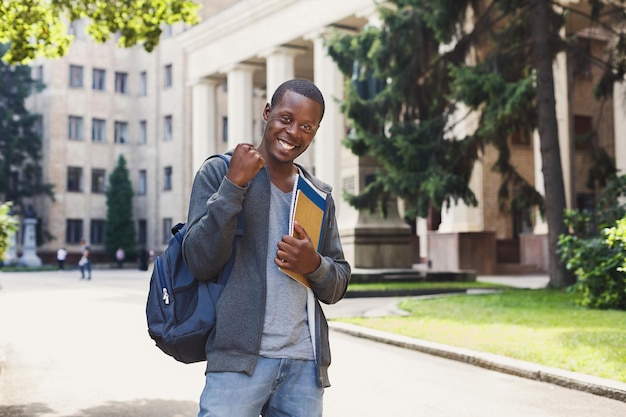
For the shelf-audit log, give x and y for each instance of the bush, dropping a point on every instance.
(594, 250)
(8, 226)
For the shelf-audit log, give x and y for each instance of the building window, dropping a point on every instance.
(97, 231)
(143, 83)
(98, 179)
(121, 82)
(143, 132)
(75, 128)
(77, 28)
(38, 73)
(167, 179)
(142, 231)
(99, 77)
(73, 230)
(76, 76)
(38, 127)
(167, 31)
(167, 128)
(74, 179)
(168, 76)
(583, 131)
(520, 137)
(98, 130)
(225, 129)
(143, 182)
(167, 230)
(121, 132)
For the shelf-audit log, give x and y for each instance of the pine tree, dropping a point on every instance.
(20, 142)
(120, 228)
(438, 57)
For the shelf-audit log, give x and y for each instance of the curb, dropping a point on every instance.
(573, 380)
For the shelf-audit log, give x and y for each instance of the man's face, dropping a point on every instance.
(291, 126)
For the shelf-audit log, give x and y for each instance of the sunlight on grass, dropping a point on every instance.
(539, 326)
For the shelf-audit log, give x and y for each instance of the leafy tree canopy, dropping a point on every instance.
(39, 27)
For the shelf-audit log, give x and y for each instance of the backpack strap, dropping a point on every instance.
(239, 231)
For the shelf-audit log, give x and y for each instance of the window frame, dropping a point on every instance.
(73, 231)
(121, 82)
(98, 81)
(97, 231)
(168, 127)
(168, 79)
(98, 180)
(120, 135)
(167, 178)
(74, 183)
(98, 130)
(142, 183)
(75, 128)
(77, 76)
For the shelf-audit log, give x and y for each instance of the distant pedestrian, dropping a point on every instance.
(84, 265)
(61, 255)
(143, 258)
(119, 256)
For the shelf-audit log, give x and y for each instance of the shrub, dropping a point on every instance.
(8, 225)
(594, 249)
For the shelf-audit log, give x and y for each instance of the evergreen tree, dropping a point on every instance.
(120, 228)
(20, 142)
(438, 58)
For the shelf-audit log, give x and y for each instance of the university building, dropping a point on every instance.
(202, 91)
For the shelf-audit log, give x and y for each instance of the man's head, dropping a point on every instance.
(302, 87)
(292, 119)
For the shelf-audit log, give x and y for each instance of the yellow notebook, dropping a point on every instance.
(307, 208)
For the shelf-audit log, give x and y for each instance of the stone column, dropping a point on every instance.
(619, 120)
(564, 121)
(327, 149)
(240, 104)
(29, 247)
(462, 241)
(204, 121)
(369, 240)
(534, 248)
(280, 64)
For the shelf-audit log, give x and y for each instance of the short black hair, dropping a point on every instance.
(302, 87)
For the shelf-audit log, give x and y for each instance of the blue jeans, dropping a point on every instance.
(277, 388)
(86, 267)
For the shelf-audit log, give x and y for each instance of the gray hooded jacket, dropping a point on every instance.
(207, 245)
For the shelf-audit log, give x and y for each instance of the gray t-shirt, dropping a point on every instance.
(285, 329)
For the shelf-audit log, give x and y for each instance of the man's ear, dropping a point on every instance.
(266, 111)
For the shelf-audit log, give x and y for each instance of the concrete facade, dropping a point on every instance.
(221, 72)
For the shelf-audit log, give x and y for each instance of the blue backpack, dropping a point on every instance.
(180, 310)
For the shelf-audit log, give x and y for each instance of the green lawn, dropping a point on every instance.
(540, 326)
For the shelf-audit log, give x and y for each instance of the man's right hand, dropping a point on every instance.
(245, 163)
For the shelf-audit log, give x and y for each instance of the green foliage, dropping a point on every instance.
(39, 27)
(20, 143)
(411, 84)
(616, 238)
(8, 226)
(594, 249)
(120, 228)
(407, 123)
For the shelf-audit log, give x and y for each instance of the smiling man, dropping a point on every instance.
(269, 352)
